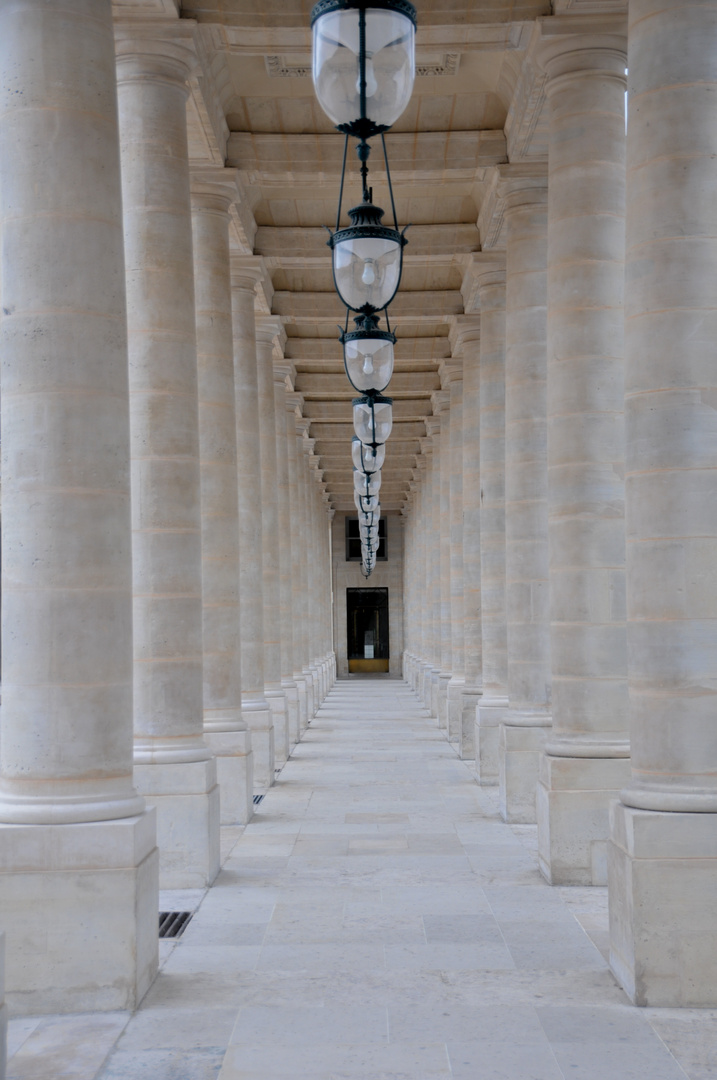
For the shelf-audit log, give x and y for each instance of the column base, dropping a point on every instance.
(292, 711)
(662, 884)
(455, 707)
(186, 797)
(300, 681)
(235, 774)
(442, 680)
(492, 711)
(280, 723)
(79, 904)
(521, 740)
(470, 697)
(260, 722)
(572, 801)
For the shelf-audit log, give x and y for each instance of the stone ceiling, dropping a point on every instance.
(477, 105)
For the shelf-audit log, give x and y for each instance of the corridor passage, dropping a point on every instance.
(378, 921)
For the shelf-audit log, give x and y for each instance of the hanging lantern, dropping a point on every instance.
(373, 419)
(367, 485)
(367, 517)
(363, 62)
(368, 354)
(367, 459)
(367, 503)
(367, 259)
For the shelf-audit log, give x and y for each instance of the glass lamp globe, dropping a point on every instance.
(367, 459)
(366, 502)
(368, 355)
(370, 535)
(367, 518)
(363, 62)
(367, 259)
(373, 419)
(367, 484)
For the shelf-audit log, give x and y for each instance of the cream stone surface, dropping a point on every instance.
(282, 372)
(378, 918)
(256, 710)
(266, 331)
(662, 862)
(453, 374)
(489, 272)
(526, 484)
(586, 198)
(225, 730)
(66, 759)
(153, 65)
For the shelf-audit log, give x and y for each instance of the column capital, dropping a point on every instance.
(294, 402)
(426, 448)
(450, 371)
(302, 428)
(162, 50)
(433, 426)
(441, 402)
(582, 46)
(285, 373)
(270, 331)
(484, 268)
(522, 184)
(465, 330)
(247, 271)
(214, 189)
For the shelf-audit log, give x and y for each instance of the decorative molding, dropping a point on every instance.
(279, 67)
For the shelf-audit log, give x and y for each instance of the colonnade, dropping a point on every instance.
(165, 530)
(588, 546)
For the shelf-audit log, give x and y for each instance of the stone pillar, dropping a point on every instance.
(293, 404)
(66, 748)
(467, 339)
(523, 730)
(225, 730)
(586, 758)
(266, 331)
(493, 706)
(453, 375)
(424, 518)
(433, 558)
(282, 371)
(257, 712)
(662, 859)
(174, 767)
(305, 447)
(442, 408)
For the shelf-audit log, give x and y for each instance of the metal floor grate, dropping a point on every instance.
(257, 799)
(173, 923)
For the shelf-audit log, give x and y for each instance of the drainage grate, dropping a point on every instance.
(257, 799)
(173, 923)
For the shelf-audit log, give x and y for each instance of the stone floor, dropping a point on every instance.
(378, 921)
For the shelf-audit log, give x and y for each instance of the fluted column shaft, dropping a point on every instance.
(526, 509)
(586, 754)
(493, 705)
(663, 856)
(297, 540)
(442, 404)
(153, 66)
(255, 707)
(433, 426)
(225, 729)
(305, 554)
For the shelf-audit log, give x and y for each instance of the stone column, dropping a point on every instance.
(493, 707)
(662, 860)
(467, 340)
(267, 330)
(425, 520)
(453, 374)
(433, 558)
(306, 446)
(586, 758)
(293, 404)
(257, 713)
(66, 748)
(282, 371)
(523, 730)
(442, 408)
(174, 767)
(225, 730)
